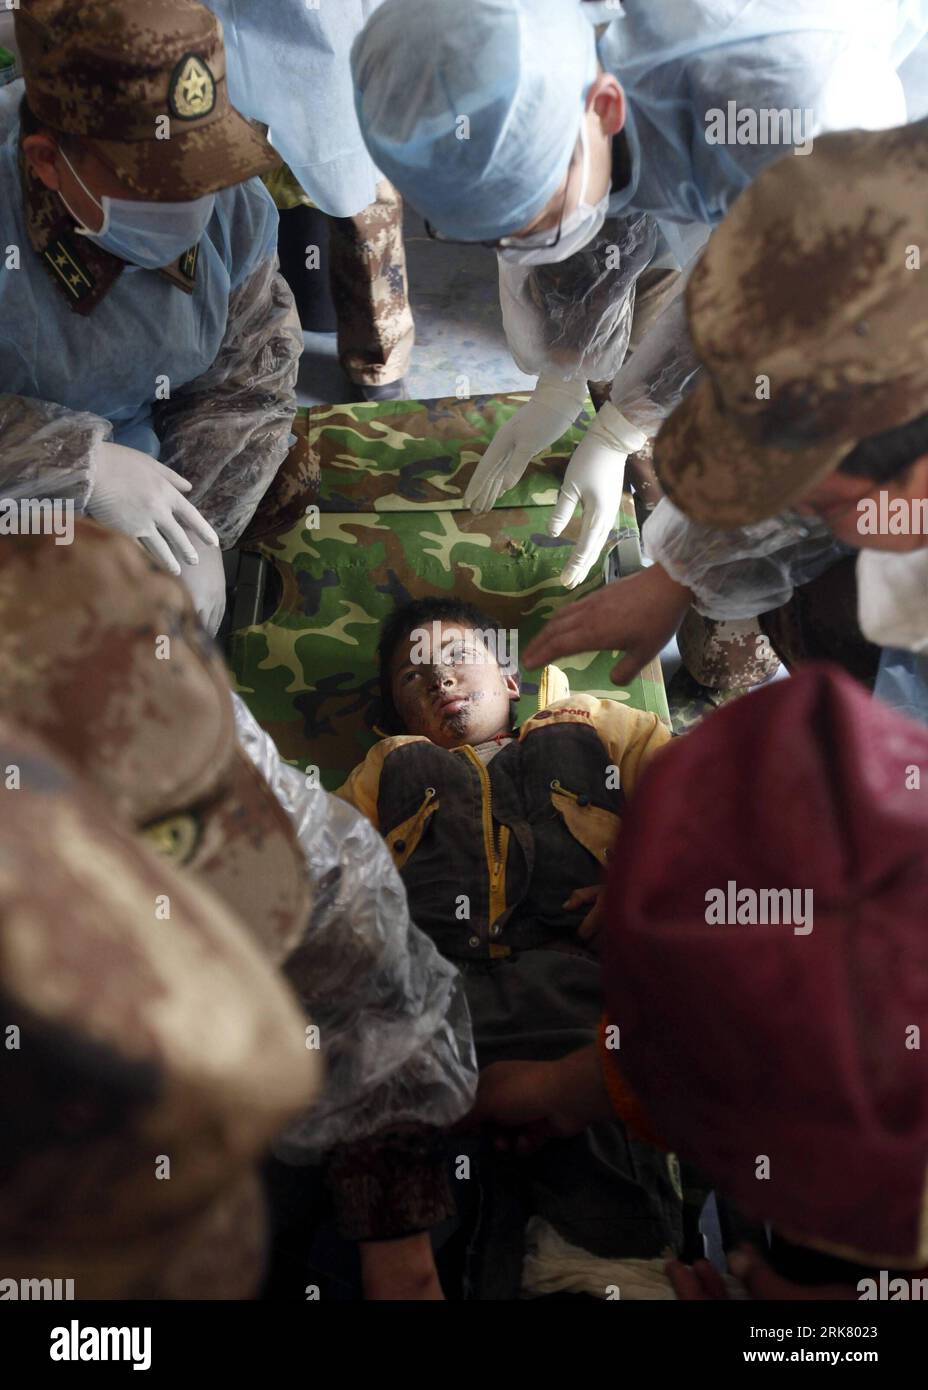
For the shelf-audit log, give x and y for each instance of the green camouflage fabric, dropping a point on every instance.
(282, 185)
(388, 480)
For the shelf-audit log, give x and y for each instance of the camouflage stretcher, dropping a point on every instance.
(366, 513)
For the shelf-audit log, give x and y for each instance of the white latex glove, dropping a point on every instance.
(553, 407)
(144, 498)
(207, 584)
(594, 478)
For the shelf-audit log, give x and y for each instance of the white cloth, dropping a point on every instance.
(553, 1265)
(892, 598)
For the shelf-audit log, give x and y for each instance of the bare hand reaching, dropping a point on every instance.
(638, 615)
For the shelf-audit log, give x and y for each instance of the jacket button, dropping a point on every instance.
(474, 941)
(583, 801)
(399, 846)
(495, 929)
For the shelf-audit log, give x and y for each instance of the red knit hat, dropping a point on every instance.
(780, 1039)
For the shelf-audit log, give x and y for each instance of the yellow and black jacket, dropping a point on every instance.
(490, 852)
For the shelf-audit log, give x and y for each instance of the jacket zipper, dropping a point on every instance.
(492, 847)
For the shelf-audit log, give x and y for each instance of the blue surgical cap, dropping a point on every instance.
(472, 108)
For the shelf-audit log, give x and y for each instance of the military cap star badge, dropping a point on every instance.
(193, 89)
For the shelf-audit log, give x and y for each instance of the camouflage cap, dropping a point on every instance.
(145, 84)
(101, 654)
(811, 288)
(149, 1059)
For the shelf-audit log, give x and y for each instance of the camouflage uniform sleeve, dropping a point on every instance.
(47, 450)
(228, 431)
(744, 571)
(394, 1028)
(632, 737)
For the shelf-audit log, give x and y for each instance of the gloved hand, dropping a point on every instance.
(553, 407)
(594, 478)
(144, 498)
(206, 582)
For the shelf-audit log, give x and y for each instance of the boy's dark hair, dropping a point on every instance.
(421, 612)
(882, 457)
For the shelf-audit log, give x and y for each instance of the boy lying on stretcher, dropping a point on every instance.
(500, 835)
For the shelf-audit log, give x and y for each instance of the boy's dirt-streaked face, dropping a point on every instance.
(458, 693)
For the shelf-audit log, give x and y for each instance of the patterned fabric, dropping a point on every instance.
(102, 655)
(115, 72)
(810, 318)
(388, 480)
(148, 1059)
(369, 289)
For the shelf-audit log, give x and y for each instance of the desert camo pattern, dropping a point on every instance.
(101, 654)
(388, 480)
(109, 70)
(811, 281)
(369, 289)
(725, 655)
(136, 1043)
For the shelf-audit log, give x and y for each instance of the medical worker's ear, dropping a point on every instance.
(42, 153)
(607, 99)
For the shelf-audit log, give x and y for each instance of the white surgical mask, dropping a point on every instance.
(150, 235)
(892, 598)
(577, 228)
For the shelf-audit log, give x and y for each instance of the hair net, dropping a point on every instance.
(472, 107)
(827, 64)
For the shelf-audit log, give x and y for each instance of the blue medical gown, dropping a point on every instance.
(902, 681)
(287, 67)
(678, 61)
(231, 338)
(837, 59)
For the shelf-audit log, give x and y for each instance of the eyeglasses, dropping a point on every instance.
(506, 243)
